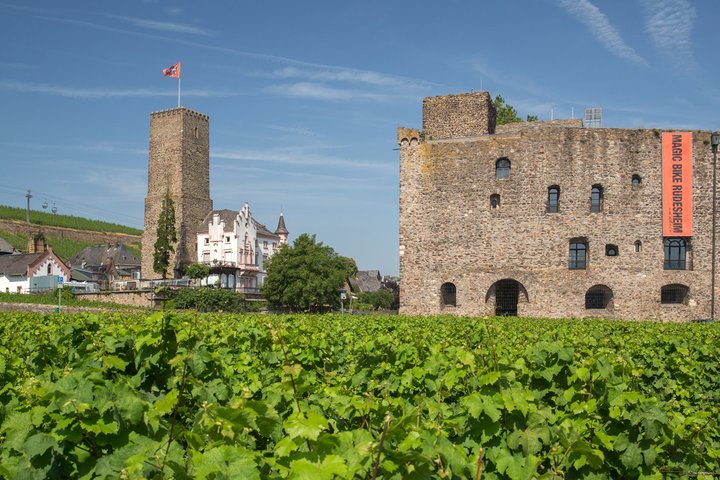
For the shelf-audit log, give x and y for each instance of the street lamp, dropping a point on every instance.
(714, 142)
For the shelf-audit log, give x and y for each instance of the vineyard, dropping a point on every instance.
(373, 397)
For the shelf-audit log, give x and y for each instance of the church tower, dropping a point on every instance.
(179, 163)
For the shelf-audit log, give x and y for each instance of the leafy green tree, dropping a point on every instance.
(166, 236)
(197, 271)
(380, 299)
(306, 276)
(506, 113)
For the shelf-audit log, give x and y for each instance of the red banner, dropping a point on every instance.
(677, 184)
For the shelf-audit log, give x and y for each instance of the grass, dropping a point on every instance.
(51, 298)
(68, 221)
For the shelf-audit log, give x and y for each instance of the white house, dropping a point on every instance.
(27, 272)
(235, 246)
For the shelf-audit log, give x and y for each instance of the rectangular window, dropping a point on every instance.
(578, 256)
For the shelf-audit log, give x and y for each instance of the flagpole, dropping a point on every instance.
(178, 92)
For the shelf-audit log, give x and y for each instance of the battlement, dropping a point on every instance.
(405, 135)
(460, 115)
(178, 111)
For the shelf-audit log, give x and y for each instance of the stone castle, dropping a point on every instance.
(546, 219)
(179, 163)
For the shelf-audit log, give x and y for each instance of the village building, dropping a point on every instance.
(236, 246)
(553, 219)
(105, 265)
(31, 272)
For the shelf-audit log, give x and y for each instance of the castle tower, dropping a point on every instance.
(179, 163)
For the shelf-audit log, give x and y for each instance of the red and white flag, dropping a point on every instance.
(172, 71)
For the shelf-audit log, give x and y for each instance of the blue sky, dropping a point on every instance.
(304, 98)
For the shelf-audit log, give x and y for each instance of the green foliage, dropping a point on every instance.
(207, 299)
(379, 300)
(262, 396)
(68, 221)
(506, 113)
(166, 237)
(197, 271)
(306, 276)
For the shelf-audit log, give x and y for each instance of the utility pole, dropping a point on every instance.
(28, 195)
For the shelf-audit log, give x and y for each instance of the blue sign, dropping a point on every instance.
(60, 279)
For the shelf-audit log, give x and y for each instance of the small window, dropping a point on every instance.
(227, 239)
(502, 168)
(553, 205)
(674, 294)
(49, 269)
(637, 246)
(636, 180)
(265, 245)
(448, 294)
(207, 241)
(494, 201)
(578, 254)
(611, 250)
(598, 297)
(196, 132)
(675, 254)
(596, 199)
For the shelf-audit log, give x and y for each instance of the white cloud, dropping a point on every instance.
(669, 24)
(599, 25)
(327, 73)
(321, 91)
(163, 26)
(71, 92)
(296, 156)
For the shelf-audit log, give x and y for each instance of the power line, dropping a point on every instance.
(81, 207)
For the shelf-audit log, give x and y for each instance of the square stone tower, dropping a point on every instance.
(179, 163)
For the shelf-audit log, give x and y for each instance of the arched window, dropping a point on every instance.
(611, 250)
(674, 293)
(502, 168)
(598, 297)
(49, 269)
(636, 180)
(448, 293)
(638, 246)
(494, 201)
(675, 253)
(578, 254)
(596, 198)
(553, 205)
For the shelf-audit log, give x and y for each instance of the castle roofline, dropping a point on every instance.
(178, 111)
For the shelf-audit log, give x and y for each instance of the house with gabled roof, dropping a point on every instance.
(28, 272)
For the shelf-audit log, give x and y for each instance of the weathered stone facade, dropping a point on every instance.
(179, 162)
(451, 234)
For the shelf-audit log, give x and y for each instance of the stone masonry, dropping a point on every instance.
(451, 234)
(179, 162)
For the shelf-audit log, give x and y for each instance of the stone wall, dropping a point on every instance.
(463, 115)
(450, 233)
(179, 163)
(139, 298)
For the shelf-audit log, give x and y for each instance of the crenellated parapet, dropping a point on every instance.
(406, 135)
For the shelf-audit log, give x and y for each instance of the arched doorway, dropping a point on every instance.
(506, 294)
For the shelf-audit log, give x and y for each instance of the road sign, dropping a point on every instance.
(60, 280)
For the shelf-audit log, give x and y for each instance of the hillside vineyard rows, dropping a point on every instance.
(322, 397)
